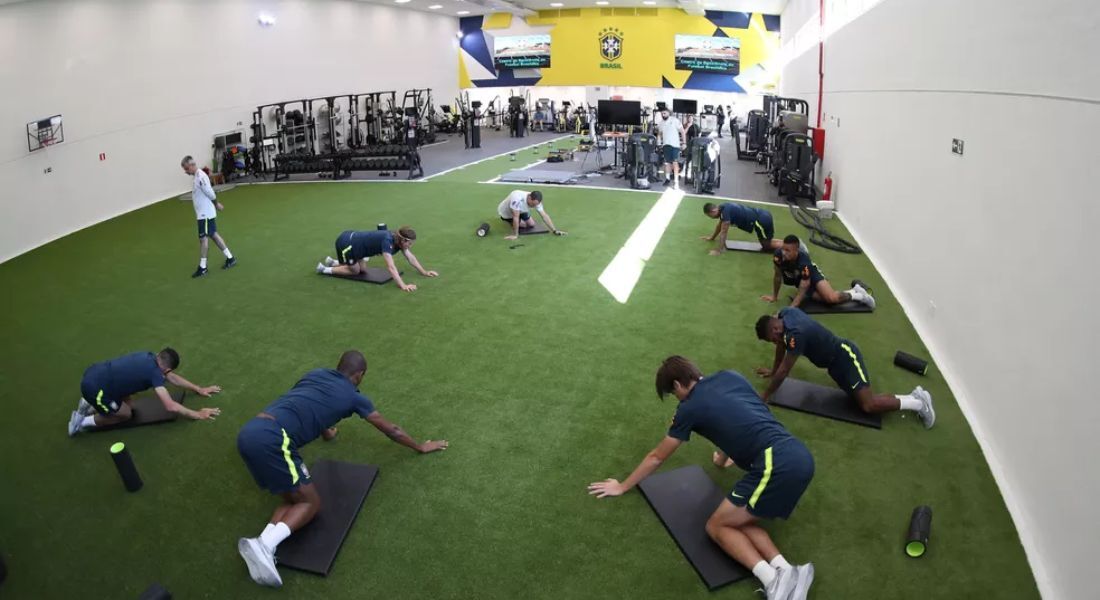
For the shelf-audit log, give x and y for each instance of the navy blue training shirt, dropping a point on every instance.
(126, 375)
(805, 336)
(372, 243)
(800, 268)
(741, 217)
(318, 401)
(725, 409)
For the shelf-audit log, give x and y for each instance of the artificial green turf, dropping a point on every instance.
(541, 381)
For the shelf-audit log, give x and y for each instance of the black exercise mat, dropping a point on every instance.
(684, 499)
(813, 307)
(343, 488)
(823, 401)
(370, 275)
(538, 228)
(147, 410)
(743, 245)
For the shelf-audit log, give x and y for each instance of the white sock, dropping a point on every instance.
(267, 530)
(271, 538)
(89, 421)
(202, 263)
(910, 403)
(764, 572)
(227, 253)
(779, 562)
(327, 270)
(855, 294)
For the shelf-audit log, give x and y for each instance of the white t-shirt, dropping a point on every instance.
(202, 196)
(517, 200)
(670, 132)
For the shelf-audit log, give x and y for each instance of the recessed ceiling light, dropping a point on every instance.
(602, 3)
(649, 3)
(556, 4)
(401, 1)
(463, 12)
(435, 7)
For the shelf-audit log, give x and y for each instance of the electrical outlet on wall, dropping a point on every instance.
(957, 146)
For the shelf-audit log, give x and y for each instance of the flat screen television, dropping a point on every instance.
(685, 107)
(521, 52)
(708, 54)
(619, 112)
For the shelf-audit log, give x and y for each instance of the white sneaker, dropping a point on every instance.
(866, 298)
(927, 414)
(84, 408)
(321, 268)
(75, 420)
(261, 563)
(804, 578)
(782, 586)
(330, 261)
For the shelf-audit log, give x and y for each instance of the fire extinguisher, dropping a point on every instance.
(828, 193)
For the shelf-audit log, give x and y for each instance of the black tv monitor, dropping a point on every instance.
(685, 107)
(619, 112)
(662, 106)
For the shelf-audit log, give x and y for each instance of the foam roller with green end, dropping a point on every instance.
(125, 465)
(920, 528)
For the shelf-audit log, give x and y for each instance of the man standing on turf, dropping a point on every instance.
(795, 334)
(269, 445)
(745, 218)
(671, 136)
(108, 388)
(354, 249)
(724, 409)
(515, 209)
(205, 201)
(794, 267)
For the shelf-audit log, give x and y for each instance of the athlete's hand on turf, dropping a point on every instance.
(431, 274)
(220, 206)
(560, 232)
(607, 488)
(408, 288)
(768, 298)
(430, 446)
(715, 252)
(207, 414)
(511, 237)
(329, 434)
(763, 372)
(208, 391)
(721, 460)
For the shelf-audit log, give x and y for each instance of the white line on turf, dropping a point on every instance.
(496, 181)
(550, 141)
(623, 272)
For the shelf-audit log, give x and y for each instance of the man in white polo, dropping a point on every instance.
(671, 132)
(515, 209)
(204, 199)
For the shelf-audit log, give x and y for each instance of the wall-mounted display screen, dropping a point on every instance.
(708, 54)
(521, 52)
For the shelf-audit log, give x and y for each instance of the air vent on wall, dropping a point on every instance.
(570, 12)
(607, 12)
(624, 12)
(647, 12)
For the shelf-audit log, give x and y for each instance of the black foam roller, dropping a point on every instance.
(483, 230)
(125, 465)
(382, 227)
(920, 528)
(911, 363)
(3, 569)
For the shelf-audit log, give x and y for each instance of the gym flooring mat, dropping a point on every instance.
(684, 499)
(742, 245)
(578, 407)
(369, 275)
(539, 227)
(813, 307)
(824, 401)
(539, 176)
(343, 487)
(147, 410)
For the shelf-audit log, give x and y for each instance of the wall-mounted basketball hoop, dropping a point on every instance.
(44, 133)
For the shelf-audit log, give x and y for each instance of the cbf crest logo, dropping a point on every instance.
(611, 47)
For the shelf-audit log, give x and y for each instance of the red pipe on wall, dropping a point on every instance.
(820, 59)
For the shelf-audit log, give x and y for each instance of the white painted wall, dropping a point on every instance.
(149, 81)
(1000, 239)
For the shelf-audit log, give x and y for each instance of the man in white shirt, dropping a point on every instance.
(515, 209)
(671, 133)
(205, 201)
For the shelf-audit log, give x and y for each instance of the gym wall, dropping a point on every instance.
(990, 252)
(647, 52)
(147, 82)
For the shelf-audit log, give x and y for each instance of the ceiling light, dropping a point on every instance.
(463, 12)
(602, 3)
(556, 4)
(266, 19)
(435, 7)
(402, 1)
(649, 3)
